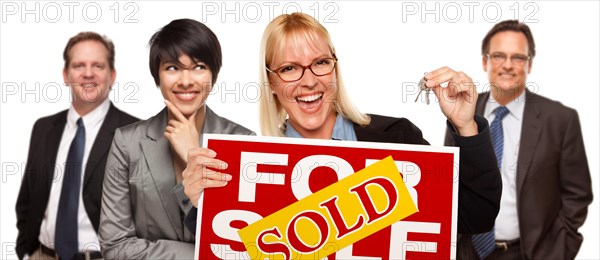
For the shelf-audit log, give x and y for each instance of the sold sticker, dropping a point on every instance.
(334, 217)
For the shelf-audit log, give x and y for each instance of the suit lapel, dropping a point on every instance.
(530, 133)
(212, 124)
(530, 136)
(101, 144)
(52, 143)
(157, 154)
(481, 101)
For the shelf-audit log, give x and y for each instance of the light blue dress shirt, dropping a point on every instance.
(342, 130)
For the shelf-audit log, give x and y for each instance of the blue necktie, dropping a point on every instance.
(66, 240)
(484, 243)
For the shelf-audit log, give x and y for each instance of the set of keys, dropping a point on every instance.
(422, 88)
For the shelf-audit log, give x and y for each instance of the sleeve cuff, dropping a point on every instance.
(482, 136)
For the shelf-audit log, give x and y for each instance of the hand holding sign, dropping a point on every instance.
(197, 175)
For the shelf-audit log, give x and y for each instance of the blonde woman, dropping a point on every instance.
(303, 96)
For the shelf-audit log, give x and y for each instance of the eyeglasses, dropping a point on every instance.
(499, 58)
(293, 72)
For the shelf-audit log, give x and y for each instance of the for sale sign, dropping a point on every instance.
(270, 174)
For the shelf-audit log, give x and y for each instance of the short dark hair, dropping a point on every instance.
(90, 36)
(509, 25)
(185, 37)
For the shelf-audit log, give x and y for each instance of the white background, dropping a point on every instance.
(384, 48)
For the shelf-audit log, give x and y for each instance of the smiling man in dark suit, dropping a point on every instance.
(545, 175)
(58, 208)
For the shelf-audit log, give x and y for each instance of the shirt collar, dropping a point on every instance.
(342, 130)
(290, 131)
(92, 118)
(515, 107)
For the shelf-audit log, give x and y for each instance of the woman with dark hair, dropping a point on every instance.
(143, 203)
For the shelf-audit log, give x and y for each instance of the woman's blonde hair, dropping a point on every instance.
(296, 28)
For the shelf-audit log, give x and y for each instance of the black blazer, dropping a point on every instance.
(39, 173)
(480, 186)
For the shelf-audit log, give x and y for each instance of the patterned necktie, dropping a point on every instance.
(484, 243)
(65, 239)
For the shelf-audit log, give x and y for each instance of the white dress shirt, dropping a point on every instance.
(88, 239)
(507, 222)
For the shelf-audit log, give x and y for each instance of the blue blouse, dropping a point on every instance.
(342, 130)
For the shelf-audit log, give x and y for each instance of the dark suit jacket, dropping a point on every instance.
(479, 186)
(553, 179)
(39, 174)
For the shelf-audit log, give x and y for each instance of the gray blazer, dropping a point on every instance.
(142, 204)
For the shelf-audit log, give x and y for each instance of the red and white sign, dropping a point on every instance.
(271, 173)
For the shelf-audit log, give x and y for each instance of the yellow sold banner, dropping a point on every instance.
(332, 218)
